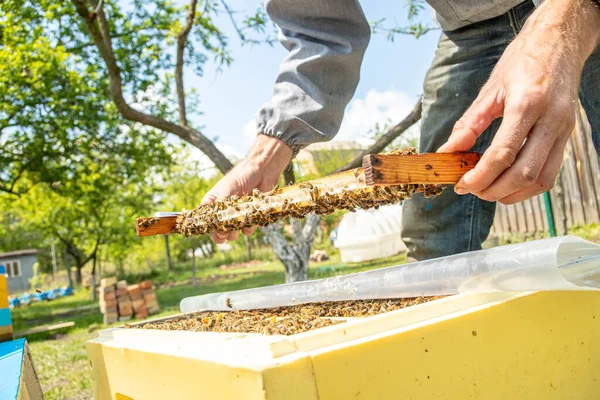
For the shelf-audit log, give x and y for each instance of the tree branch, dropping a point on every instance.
(99, 32)
(230, 13)
(387, 138)
(181, 38)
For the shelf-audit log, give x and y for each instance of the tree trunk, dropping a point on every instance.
(78, 274)
(294, 257)
(94, 294)
(169, 266)
(248, 248)
(194, 280)
(54, 263)
(68, 268)
(100, 263)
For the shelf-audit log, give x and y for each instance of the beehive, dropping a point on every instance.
(6, 326)
(534, 345)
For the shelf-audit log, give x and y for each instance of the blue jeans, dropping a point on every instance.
(464, 60)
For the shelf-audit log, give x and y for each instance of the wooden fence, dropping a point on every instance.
(575, 196)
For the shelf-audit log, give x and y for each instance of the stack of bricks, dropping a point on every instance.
(6, 328)
(123, 301)
(108, 300)
(119, 302)
(137, 301)
(149, 297)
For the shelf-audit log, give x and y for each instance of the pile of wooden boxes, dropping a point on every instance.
(120, 302)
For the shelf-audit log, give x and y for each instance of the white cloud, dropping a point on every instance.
(206, 167)
(390, 106)
(249, 129)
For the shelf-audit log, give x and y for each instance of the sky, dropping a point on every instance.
(391, 80)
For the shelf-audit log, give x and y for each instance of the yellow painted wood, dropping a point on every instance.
(489, 346)
(3, 299)
(3, 284)
(121, 374)
(541, 346)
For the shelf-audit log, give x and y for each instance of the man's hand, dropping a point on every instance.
(266, 161)
(534, 88)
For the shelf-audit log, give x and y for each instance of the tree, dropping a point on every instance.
(104, 49)
(104, 20)
(99, 206)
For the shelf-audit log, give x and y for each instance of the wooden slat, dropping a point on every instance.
(543, 210)
(572, 185)
(567, 201)
(504, 219)
(558, 209)
(150, 226)
(592, 154)
(521, 220)
(155, 226)
(590, 203)
(537, 215)
(583, 138)
(512, 218)
(529, 217)
(427, 168)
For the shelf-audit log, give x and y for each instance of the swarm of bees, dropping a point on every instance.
(320, 199)
(282, 320)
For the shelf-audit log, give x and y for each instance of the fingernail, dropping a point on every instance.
(460, 190)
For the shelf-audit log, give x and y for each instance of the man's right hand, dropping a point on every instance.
(266, 161)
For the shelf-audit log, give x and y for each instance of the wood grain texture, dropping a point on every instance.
(155, 226)
(426, 168)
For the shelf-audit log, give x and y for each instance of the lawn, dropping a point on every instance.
(60, 358)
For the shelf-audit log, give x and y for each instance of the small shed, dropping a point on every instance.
(19, 268)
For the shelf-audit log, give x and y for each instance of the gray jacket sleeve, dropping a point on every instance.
(326, 40)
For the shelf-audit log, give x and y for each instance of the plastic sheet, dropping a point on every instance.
(563, 263)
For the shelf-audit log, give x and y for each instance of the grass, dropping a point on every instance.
(60, 358)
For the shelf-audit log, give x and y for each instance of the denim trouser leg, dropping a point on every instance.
(463, 62)
(589, 95)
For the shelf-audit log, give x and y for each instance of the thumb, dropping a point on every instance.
(486, 108)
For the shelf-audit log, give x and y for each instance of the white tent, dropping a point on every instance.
(370, 234)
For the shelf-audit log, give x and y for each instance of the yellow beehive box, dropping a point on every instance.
(3, 299)
(540, 345)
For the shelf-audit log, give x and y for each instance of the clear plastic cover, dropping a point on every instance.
(562, 263)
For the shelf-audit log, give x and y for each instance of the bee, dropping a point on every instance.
(148, 222)
(228, 303)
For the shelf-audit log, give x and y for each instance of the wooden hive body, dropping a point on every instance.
(500, 345)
